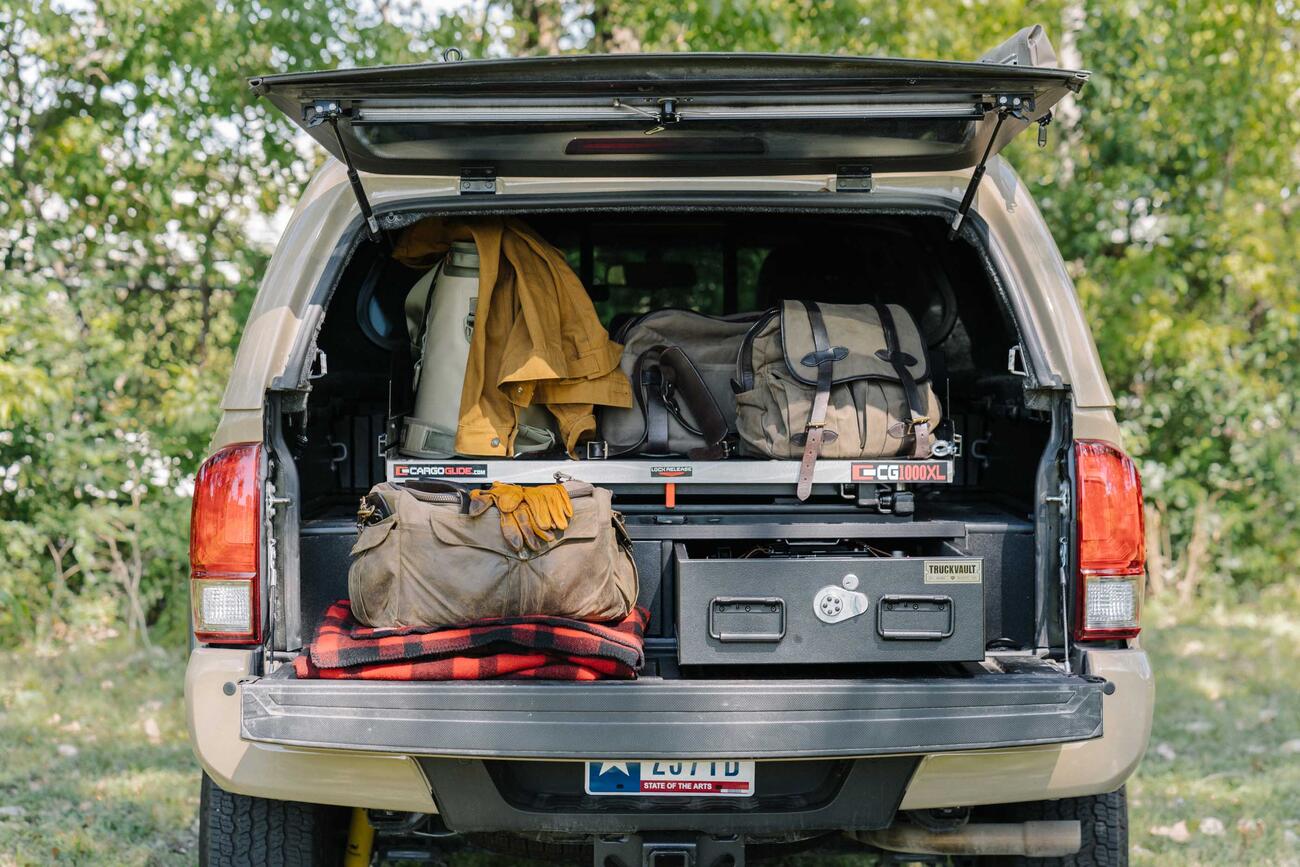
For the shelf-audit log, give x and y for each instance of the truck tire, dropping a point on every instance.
(241, 831)
(1103, 820)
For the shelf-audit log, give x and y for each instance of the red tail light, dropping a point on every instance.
(225, 547)
(1111, 542)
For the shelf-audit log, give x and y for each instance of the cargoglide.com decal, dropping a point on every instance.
(439, 471)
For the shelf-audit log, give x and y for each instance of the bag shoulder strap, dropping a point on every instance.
(661, 374)
(744, 380)
(919, 424)
(645, 390)
(682, 377)
(418, 364)
(823, 356)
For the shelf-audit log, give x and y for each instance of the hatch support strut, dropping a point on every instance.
(1014, 106)
(330, 111)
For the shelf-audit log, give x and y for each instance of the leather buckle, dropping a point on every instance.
(597, 450)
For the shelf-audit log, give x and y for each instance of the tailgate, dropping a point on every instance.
(1028, 703)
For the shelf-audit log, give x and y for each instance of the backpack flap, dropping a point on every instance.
(856, 336)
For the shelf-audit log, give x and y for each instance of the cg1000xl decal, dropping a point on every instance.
(901, 471)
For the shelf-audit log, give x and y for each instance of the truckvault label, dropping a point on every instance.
(671, 472)
(963, 571)
(901, 471)
(439, 471)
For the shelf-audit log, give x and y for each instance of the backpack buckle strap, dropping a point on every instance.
(919, 425)
(815, 430)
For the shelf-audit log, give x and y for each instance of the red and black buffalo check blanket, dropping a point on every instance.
(551, 648)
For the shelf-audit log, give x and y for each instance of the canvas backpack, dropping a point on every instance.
(840, 381)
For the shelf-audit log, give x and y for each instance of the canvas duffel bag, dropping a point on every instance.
(680, 364)
(845, 381)
(422, 559)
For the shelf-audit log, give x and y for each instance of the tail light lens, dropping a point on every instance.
(225, 544)
(1111, 542)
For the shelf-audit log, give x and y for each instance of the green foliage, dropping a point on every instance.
(138, 175)
(133, 161)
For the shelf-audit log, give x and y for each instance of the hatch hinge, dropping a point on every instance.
(329, 111)
(853, 179)
(1006, 106)
(478, 181)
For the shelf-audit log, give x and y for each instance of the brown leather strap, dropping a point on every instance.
(919, 423)
(824, 358)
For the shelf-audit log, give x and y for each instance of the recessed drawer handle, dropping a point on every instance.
(887, 606)
(754, 605)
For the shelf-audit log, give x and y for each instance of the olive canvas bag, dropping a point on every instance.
(421, 559)
(839, 381)
(680, 364)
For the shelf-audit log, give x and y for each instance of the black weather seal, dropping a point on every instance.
(1015, 106)
(329, 111)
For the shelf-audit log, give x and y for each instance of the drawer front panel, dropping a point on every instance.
(823, 610)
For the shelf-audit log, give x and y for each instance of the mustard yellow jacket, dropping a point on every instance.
(537, 339)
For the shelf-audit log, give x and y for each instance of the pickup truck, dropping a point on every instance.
(990, 713)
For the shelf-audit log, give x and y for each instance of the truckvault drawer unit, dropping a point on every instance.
(829, 609)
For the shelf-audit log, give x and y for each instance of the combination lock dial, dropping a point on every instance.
(834, 604)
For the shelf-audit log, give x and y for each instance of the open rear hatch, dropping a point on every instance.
(677, 114)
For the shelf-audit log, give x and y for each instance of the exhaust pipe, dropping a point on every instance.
(1035, 839)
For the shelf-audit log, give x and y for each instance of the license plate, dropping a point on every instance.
(681, 778)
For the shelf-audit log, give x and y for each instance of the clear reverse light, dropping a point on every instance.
(223, 606)
(1111, 603)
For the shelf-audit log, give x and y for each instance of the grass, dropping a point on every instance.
(95, 758)
(96, 768)
(1221, 780)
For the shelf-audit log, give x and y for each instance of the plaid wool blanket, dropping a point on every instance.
(551, 648)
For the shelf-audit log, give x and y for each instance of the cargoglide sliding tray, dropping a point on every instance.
(663, 471)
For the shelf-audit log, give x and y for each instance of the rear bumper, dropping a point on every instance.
(662, 719)
(216, 680)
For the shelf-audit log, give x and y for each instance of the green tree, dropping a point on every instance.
(133, 163)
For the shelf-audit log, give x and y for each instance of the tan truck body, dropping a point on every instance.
(287, 311)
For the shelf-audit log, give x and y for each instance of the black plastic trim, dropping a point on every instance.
(469, 798)
(653, 718)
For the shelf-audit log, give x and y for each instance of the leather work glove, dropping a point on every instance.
(527, 515)
(549, 508)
